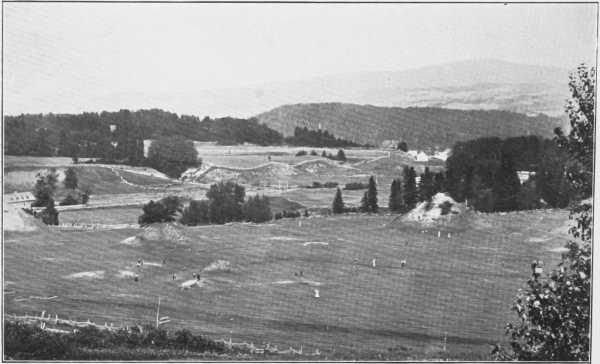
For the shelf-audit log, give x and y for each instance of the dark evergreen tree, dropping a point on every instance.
(439, 183)
(338, 203)
(426, 186)
(372, 196)
(396, 202)
(403, 146)
(50, 214)
(506, 185)
(341, 156)
(364, 203)
(410, 187)
(71, 180)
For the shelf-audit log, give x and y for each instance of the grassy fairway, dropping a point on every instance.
(459, 287)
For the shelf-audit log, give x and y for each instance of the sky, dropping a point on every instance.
(89, 57)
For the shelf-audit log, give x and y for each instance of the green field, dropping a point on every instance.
(459, 287)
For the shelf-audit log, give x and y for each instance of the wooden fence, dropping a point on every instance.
(43, 320)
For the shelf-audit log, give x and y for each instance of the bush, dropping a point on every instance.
(27, 342)
(313, 152)
(71, 199)
(356, 186)
(301, 153)
(160, 211)
(446, 206)
(323, 185)
(196, 213)
(257, 209)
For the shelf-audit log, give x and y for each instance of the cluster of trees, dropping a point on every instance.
(405, 193)
(172, 155)
(43, 191)
(484, 172)
(29, 342)
(323, 185)
(317, 138)
(367, 204)
(553, 312)
(225, 203)
(119, 136)
(75, 195)
(340, 155)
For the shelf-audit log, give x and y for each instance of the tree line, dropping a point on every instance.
(225, 202)
(317, 138)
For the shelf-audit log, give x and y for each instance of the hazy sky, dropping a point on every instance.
(75, 57)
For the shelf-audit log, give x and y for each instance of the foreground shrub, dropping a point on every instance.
(28, 342)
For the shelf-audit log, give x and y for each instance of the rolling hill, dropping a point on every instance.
(421, 127)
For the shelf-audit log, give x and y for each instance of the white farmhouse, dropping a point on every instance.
(19, 199)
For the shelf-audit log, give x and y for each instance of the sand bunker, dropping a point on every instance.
(193, 283)
(315, 243)
(561, 249)
(132, 240)
(163, 232)
(538, 240)
(126, 274)
(218, 266)
(440, 206)
(282, 238)
(152, 264)
(96, 274)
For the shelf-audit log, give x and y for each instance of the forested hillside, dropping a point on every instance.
(421, 127)
(115, 135)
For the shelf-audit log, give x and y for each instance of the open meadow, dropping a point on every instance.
(457, 286)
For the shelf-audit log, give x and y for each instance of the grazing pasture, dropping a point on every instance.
(258, 281)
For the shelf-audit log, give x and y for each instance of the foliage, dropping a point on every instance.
(396, 203)
(92, 134)
(173, 155)
(410, 187)
(226, 199)
(49, 214)
(477, 166)
(402, 146)
(257, 209)
(28, 342)
(338, 202)
(554, 310)
(196, 213)
(426, 188)
(301, 153)
(316, 184)
(70, 181)
(356, 186)
(164, 210)
(506, 185)
(340, 156)
(45, 187)
(317, 138)
(369, 200)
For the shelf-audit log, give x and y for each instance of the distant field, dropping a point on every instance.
(460, 287)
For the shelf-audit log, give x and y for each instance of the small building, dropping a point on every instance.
(19, 199)
(525, 175)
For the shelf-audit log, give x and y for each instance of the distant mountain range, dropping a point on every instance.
(421, 128)
(467, 85)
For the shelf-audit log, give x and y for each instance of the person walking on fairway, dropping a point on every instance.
(373, 263)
